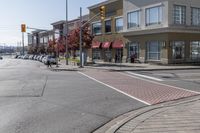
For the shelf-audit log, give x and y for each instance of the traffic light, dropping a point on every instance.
(23, 27)
(102, 12)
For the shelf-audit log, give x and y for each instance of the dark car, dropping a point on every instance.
(1, 58)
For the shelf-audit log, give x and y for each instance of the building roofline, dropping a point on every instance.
(101, 4)
(58, 22)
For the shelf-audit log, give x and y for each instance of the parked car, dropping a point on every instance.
(41, 57)
(49, 58)
(26, 57)
(30, 57)
(1, 58)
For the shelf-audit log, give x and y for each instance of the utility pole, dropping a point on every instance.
(80, 45)
(66, 28)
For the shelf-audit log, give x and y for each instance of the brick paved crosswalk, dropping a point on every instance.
(147, 91)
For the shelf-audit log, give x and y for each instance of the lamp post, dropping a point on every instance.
(66, 29)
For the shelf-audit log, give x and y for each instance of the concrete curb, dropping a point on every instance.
(115, 124)
(63, 69)
(147, 69)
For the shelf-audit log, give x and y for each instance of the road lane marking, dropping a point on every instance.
(144, 76)
(114, 89)
(160, 83)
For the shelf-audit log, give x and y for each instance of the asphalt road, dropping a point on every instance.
(186, 79)
(34, 99)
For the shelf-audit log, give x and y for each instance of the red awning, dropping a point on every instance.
(96, 44)
(118, 44)
(106, 44)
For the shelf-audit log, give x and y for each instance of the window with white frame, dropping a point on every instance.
(195, 16)
(41, 40)
(118, 24)
(30, 39)
(107, 26)
(195, 50)
(45, 39)
(133, 19)
(51, 37)
(34, 39)
(96, 28)
(178, 49)
(154, 15)
(153, 50)
(179, 14)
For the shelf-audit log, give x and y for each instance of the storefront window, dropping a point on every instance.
(195, 50)
(134, 50)
(96, 54)
(153, 50)
(108, 55)
(178, 49)
(118, 55)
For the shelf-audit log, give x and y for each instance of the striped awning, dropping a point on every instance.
(106, 45)
(118, 44)
(96, 44)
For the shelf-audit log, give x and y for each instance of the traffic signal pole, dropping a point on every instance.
(22, 43)
(80, 45)
(102, 14)
(66, 42)
(23, 29)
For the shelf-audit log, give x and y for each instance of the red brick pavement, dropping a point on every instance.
(147, 91)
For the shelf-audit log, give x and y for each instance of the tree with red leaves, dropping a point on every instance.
(51, 46)
(74, 38)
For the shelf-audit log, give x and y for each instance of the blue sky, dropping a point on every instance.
(35, 13)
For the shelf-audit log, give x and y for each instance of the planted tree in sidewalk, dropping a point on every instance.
(60, 44)
(51, 49)
(31, 50)
(74, 38)
(41, 49)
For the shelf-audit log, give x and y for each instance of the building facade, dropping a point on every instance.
(108, 44)
(159, 31)
(163, 31)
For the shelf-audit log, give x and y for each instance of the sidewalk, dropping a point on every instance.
(63, 67)
(181, 116)
(139, 66)
(124, 67)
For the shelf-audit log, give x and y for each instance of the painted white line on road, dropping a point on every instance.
(159, 83)
(144, 76)
(115, 89)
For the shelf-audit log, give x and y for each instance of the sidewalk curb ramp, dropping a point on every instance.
(142, 114)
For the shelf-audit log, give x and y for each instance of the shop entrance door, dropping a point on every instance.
(118, 55)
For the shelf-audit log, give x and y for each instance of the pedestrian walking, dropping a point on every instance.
(48, 63)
